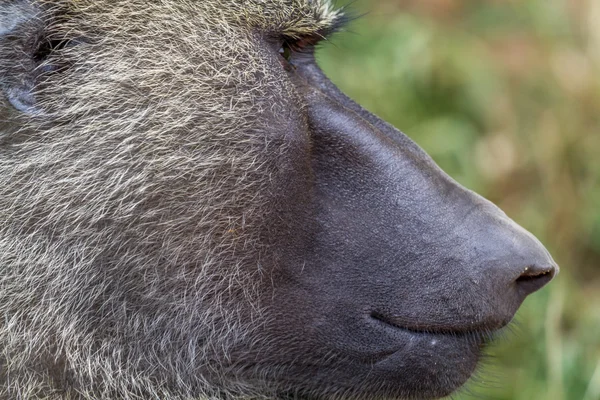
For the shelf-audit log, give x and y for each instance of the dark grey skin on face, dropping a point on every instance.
(383, 277)
(405, 273)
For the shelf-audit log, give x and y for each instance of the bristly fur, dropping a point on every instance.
(132, 200)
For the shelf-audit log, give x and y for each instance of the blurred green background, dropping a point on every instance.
(505, 96)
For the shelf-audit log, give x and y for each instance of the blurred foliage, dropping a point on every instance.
(505, 96)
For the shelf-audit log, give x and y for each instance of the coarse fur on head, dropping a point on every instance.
(189, 209)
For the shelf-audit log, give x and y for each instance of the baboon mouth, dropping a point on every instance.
(481, 333)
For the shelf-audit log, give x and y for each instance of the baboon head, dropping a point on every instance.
(190, 209)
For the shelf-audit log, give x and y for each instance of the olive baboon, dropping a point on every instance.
(190, 209)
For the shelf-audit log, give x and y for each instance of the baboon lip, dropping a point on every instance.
(484, 332)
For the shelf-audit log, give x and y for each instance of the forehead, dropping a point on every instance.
(287, 17)
(291, 18)
(294, 18)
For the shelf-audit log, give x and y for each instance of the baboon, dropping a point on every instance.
(190, 209)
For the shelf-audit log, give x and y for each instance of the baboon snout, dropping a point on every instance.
(445, 258)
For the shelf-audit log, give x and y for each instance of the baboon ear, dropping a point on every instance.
(21, 32)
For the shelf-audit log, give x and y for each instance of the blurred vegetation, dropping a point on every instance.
(505, 95)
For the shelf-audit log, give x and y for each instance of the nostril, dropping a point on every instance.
(534, 278)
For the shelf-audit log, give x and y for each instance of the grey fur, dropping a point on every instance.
(14, 13)
(164, 189)
(186, 213)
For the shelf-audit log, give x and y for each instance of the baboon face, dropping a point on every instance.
(190, 208)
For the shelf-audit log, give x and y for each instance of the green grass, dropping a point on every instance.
(506, 98)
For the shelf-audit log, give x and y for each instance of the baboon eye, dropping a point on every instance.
(286, 52)
(42, 55)
(285, 56)
(293, 48)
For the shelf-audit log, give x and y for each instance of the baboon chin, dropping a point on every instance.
(190, 209)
